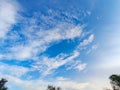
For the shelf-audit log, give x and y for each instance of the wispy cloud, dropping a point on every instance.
(87, 41)
(48, 65)
(77, 65)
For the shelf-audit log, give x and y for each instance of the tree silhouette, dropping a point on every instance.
(115, 81)
(2, 84)
(50, 87)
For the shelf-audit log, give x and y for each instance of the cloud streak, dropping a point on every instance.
(48, 65)
(87, 41)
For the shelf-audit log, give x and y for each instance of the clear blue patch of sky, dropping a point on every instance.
(26, 63)
(65, 47)
(101, 14)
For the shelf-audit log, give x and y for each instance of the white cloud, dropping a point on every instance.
(87, 41)
(71, 85)
(42, 84)
(13, 70)
(8, 16)
(77, 65)
(81, 66)
(61, 79)
(21, 53)
(48, 65)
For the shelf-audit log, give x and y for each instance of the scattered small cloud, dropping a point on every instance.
(62, 79)
(81, 66)
(88, 12)
(93, 48)
(87, 41)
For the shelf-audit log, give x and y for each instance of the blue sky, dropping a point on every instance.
(74, 44)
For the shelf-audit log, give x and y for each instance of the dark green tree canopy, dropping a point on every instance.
(50, 87)
(2, 84)
(115, 81)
